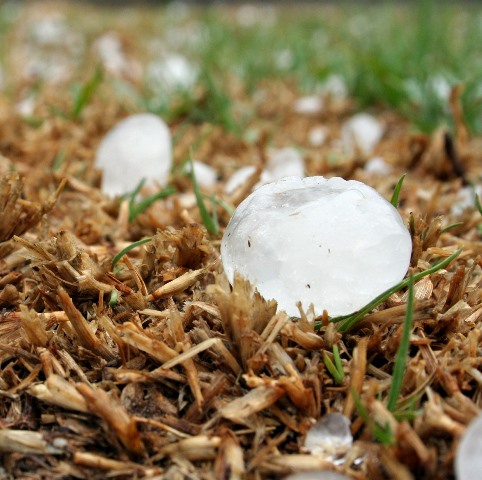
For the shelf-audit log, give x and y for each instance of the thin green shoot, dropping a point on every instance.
(84, 94)
(216, 201)
(114, 298)
(478, 204)
(453, 225)
(137, 208)
(338, 364)
(402, 352)
(332, 368)
(408, 411)
(133, 195)
(211, 223)
(128, 249)
(348, 321)
(382, 434)
(396, 191)
(58, 160)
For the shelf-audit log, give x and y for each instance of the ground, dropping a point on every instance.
(139, 360)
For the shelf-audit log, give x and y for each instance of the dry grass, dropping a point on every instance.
(185, 377)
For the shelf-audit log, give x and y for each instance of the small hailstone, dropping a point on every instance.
(206, 175)
(309, 105)
(109, 49)
(26, 107)
(60, 442)
(468, 459)
(138, 147)
(465, 199)
(330, 436)
(363, 131)
(334, 243)
(334, 86)
(318, 475)
(238, 178)
(377, 166)
(172, 72)
(283, 162)
(49, 30)
(284, 59)
(441, 87)
(317, 136)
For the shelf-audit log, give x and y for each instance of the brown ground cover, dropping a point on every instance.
(184, 377)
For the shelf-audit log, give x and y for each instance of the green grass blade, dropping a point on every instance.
(145, 203)
(128, 249)
(396, 191)
(133, 195)
(58, 160)
(401, 357)
(85, 94)
(330, 366)
(221, 203)
(211, 224)
(114, 298)
(383, 435)
(478, 204)
(449, 227)
(338, 364)
(348, 321)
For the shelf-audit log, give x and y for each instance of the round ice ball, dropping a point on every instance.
(334, 243)
(468, 460)
(138, 147)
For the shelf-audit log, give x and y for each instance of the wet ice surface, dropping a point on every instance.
(468, 460)
(334, 243)
(330, 436)
(138, 147)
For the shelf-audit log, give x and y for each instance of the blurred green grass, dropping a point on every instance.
(402, 55)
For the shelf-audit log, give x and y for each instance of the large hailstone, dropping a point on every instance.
(138, 147)
(468, 460)
(334, 243)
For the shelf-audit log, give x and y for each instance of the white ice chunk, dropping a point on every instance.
(172, 72)
(317, 136)
(363, 131)
(284, 59)
(206, 175)
(334, 243)
(283, 162)
(378, 166)
(465, 199)
(49, 30)
(26, 107)
(468, 459)
(441, 87)
(238, 178)
(334, 86)
(318, 475)
(137, 147)
(111, 53)
(309, 105)
(330, 436)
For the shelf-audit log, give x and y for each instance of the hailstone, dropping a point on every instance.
(137, 148)
(362, 131)
(332, 243)
(468, 460)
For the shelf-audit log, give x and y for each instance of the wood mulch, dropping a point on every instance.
(157, 368)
